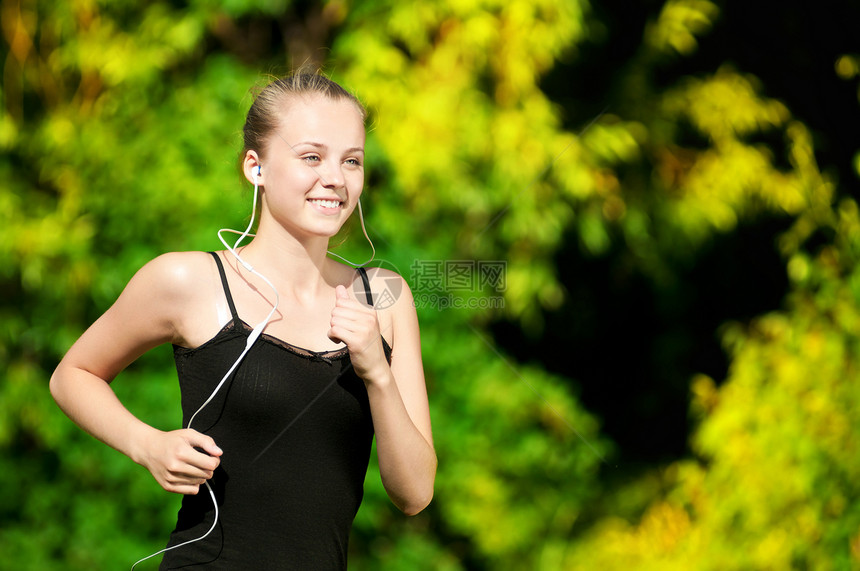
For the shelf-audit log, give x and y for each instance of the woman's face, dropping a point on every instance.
(313, 170)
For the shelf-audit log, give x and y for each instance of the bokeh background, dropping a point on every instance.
(670, 380)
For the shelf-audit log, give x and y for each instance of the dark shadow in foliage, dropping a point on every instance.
(632, 345)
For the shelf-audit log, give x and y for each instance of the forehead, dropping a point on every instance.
(319, 118)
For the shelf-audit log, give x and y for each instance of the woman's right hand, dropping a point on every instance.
(181, 460)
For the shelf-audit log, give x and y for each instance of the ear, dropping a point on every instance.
(251, 165)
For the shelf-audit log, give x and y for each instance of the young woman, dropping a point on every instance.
(281, 424)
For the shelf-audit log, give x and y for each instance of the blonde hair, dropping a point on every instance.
(265, 113)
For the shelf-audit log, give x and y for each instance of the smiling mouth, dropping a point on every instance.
(326, 203)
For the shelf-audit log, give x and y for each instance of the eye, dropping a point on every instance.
(353, 162)
(311, 158)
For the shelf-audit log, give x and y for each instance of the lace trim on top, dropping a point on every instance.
(238, 324)
(301, 351)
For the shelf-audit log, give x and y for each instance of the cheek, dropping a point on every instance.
(287, 181)
(304, 176)
(356, 182)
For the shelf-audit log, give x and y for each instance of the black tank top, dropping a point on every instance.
(296, 432)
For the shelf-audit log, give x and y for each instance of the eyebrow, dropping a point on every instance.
(322, 146)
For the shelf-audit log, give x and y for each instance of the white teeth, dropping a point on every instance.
(326, 203)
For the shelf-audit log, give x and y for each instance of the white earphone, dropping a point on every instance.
(257, 171)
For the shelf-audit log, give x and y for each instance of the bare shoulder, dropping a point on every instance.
(176, 271)
(395, 307)
(171, 289)
(151, 310)
(390, 291)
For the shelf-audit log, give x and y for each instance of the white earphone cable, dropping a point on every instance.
(255, 334)
(214, 522)
(364, 230)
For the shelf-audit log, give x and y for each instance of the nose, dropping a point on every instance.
(332, 175)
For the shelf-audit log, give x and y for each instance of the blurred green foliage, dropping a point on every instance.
(119, 136)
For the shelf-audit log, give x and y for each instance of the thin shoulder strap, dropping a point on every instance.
(363, 273)
(226, 287)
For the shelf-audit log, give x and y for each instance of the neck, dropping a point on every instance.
(296, 266)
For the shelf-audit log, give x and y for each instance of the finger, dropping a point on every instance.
(203, 443)
(341, 292)
(343, 320)
(191, 468)
(347, 330)
(186, 478)
(354, 312)
(185, 489)
(343, 303)
(198, 458)
(338, 334)
(341, 312)
(350, 321)
(201, 465)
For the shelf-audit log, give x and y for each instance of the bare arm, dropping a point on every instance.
(398, 398)
(143, 317)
